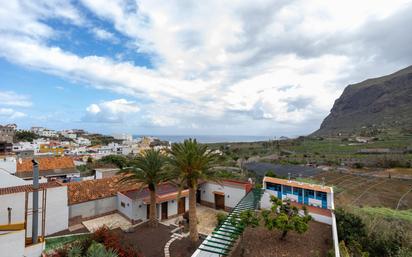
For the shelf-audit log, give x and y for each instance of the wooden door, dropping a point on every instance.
(198, 196)
(147, 211)
(181, 207)
(164, 211)
(219, 202)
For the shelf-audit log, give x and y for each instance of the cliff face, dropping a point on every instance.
(383, 102)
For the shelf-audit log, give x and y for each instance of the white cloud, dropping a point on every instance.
(231, 65)
(11, 98)
(11, 114)
(110, 111)
(103, 34)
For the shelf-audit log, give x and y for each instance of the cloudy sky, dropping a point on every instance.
(192, 67)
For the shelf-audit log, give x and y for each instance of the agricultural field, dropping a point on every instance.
(361, 190)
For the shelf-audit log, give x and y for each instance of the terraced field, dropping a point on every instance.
(352, 189)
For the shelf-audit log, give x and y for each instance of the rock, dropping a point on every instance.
(379, 103)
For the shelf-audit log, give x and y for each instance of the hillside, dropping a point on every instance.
(384, 102)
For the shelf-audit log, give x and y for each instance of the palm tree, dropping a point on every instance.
(191, 162)
(148, 169)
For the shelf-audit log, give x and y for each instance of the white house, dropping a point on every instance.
(223, 195)
(135, 204)
(16, 216)
(82, 141)
(318, 199)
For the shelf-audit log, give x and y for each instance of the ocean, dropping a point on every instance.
(211, 138)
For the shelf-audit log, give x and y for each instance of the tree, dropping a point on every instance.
(350, 227)
(191, 162)
(148, 170)
(25, 136)
(285, 217)
(118, 160)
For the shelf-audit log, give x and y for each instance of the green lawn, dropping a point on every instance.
(53, 243)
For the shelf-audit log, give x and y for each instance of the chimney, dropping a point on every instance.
(35, 220)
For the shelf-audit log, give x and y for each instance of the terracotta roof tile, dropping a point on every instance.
(46, 163)
(28, 188)
(89, 190)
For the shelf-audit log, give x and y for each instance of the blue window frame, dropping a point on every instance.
(273, 186)
(309, 193)
(287, 190)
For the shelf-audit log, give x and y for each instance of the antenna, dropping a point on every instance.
(289, 176)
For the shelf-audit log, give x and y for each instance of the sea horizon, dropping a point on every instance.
(211, 138)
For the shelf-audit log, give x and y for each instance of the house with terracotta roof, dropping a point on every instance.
(135, 204)
(49, 167)
(93, 198)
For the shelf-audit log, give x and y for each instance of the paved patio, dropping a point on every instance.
(112, 221)
(207, 219)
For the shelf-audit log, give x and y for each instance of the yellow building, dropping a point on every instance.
(52, 149)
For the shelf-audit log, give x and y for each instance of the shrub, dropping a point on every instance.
(221, 217)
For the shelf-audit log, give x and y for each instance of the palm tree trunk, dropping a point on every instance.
(194, 236)
(152, 211)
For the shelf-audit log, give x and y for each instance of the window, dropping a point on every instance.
(297, 191)
(123, 204)
(310, 193)
(287, 189)
(272, 186)
(321, 195)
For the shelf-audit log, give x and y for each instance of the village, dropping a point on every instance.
(42, 179)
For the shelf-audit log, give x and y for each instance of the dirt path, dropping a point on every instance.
(366, 190)
(400, 200)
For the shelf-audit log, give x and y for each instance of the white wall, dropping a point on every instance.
(129, 209)
(14, 201)
(12, 244)
(93, 208)
(56, 209)
(8, 164)
(34, 250)
(232, 194)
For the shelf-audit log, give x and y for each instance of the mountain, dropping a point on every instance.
(384, 102)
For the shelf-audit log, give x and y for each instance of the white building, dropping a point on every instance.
(82, 141)
(123, 136)
(16, 216)
(135, 204)
(224, 195)
(68, 134)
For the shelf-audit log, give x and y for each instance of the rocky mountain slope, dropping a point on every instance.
(383, 102)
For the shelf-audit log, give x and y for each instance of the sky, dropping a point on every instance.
(181, 67)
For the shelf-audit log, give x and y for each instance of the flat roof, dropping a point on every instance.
(298, 184)
(9, 180)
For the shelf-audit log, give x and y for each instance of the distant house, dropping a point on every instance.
(49, 167)
(52, 148)
(6, 138)
(106, 172)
